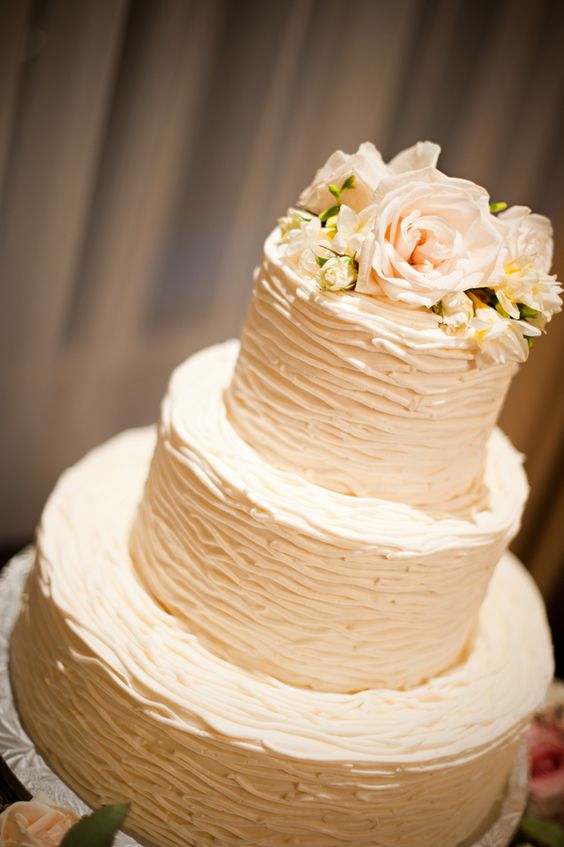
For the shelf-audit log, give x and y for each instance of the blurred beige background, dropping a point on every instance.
(147, 147)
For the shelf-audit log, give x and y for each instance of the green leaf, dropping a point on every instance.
(321, 261)
(97, 829)
(547, 833)
(336, 192)
(499, 308)
(526, 312)
(348, 183)
(350, 260)
(497, 207)
(328, 213)
(530, 342)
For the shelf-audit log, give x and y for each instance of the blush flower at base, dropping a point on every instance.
(35, 823)
(433, 235)
(545, 741)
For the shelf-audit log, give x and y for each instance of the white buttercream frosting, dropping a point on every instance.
(317, 588)
(362, 395)
(126, 703)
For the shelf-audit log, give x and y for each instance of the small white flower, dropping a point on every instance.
(500, 339)
(456, 310)
(338, 274)
(352, 229)
(293, 220)
(300, 245)
(307, 264)
(526, 284)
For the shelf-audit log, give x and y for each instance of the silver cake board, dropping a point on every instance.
(28, 766)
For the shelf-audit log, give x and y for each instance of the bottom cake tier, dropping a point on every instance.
(126, 704)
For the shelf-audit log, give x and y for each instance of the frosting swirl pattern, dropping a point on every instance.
(362, 395)
(122, 699)
(314, 587)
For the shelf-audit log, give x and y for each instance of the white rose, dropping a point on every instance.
(35, 823)
(433, 235)
(528, 238)
(424, 154)
(368, 169)
(457, 310)
(338, 274)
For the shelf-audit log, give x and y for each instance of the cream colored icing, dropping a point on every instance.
(362, 395)
(314, 587)
(126, 703)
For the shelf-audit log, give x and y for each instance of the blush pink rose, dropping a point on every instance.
(433, 235)
(35, 823)
(546, 783)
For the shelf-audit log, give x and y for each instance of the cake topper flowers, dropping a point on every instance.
(406, 232)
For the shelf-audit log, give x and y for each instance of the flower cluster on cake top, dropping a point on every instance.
(405, 231)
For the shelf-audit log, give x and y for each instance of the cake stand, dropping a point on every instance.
(21, 756)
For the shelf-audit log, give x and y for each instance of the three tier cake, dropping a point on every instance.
(288, 617)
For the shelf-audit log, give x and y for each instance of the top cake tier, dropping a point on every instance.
(388, 317)
(362, 395)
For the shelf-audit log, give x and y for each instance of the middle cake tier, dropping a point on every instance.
(281, 576)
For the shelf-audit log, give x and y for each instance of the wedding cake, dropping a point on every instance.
(287, 616)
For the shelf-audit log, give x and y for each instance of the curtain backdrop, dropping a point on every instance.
(146, 147)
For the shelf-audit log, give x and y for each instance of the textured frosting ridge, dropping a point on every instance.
(314, 587)
(221, 755)
(362, 395)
